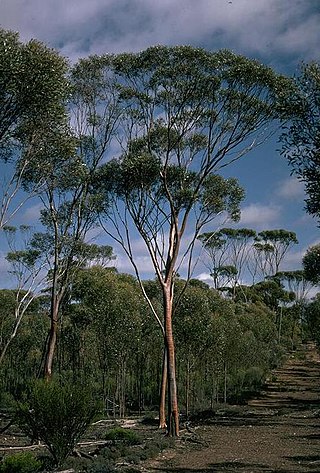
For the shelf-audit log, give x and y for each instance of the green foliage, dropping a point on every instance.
(127, 451)
(100, 467)
(23, 462)
(245, 383)
(183, 114)
(300, 141)
(32, 86)
(311, 264)
(129, 437)
(312, 319)
(57, 415)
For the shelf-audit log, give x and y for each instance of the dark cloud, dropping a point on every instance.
(266, 28)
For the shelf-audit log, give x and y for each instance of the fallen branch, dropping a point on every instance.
(80, 454)
(22, 447)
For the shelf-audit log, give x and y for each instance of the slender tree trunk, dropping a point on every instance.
(188, 389)
(279, 316)
(52, 340)
(19, 313)
(56, 297)
(6, 346)
(173, 413)
(163, 389)
(123, 388)
(225, 383)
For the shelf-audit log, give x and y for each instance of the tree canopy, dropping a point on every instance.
(301, 140)
(186, 114)
(33, 92)
(311, 264)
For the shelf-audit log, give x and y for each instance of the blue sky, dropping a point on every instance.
(279, 33)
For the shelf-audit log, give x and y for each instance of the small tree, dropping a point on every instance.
(231, 247)
(297, 282)
(216, 259)
(272, 246)
(27, 271)
(57, 415)
(311, 264)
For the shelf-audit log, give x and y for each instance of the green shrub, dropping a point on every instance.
(100, 466)
(23, 462)
(128, 436)
(254, 378)
(57, 415)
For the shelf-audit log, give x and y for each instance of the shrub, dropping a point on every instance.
(57, 415)
(128, 436)
(254, 378)
(24, 462)
(100, 467)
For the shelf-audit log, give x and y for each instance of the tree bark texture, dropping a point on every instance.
(48, 362)
(163, 390)
(173, 413)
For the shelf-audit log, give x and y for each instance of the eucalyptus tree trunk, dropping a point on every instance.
(56, 297)
(173, 413)
(53, 333)
(163, 390)
(51, 343)
(187, 387)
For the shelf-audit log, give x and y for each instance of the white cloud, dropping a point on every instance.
(144, 264)
(291, 188)
(293, 259)
(31, 214)
(260, 214)
(205, 277)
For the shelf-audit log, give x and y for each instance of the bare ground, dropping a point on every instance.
(277, 432)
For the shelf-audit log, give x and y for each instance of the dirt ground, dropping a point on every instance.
(277, 432)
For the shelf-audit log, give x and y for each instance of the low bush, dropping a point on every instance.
(23, 462)
(130, 437)
(57, 415)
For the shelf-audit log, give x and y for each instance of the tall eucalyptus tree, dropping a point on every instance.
(69, 157)
(33, 89)
(187, 113)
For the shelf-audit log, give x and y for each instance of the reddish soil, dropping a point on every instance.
(277, 432)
